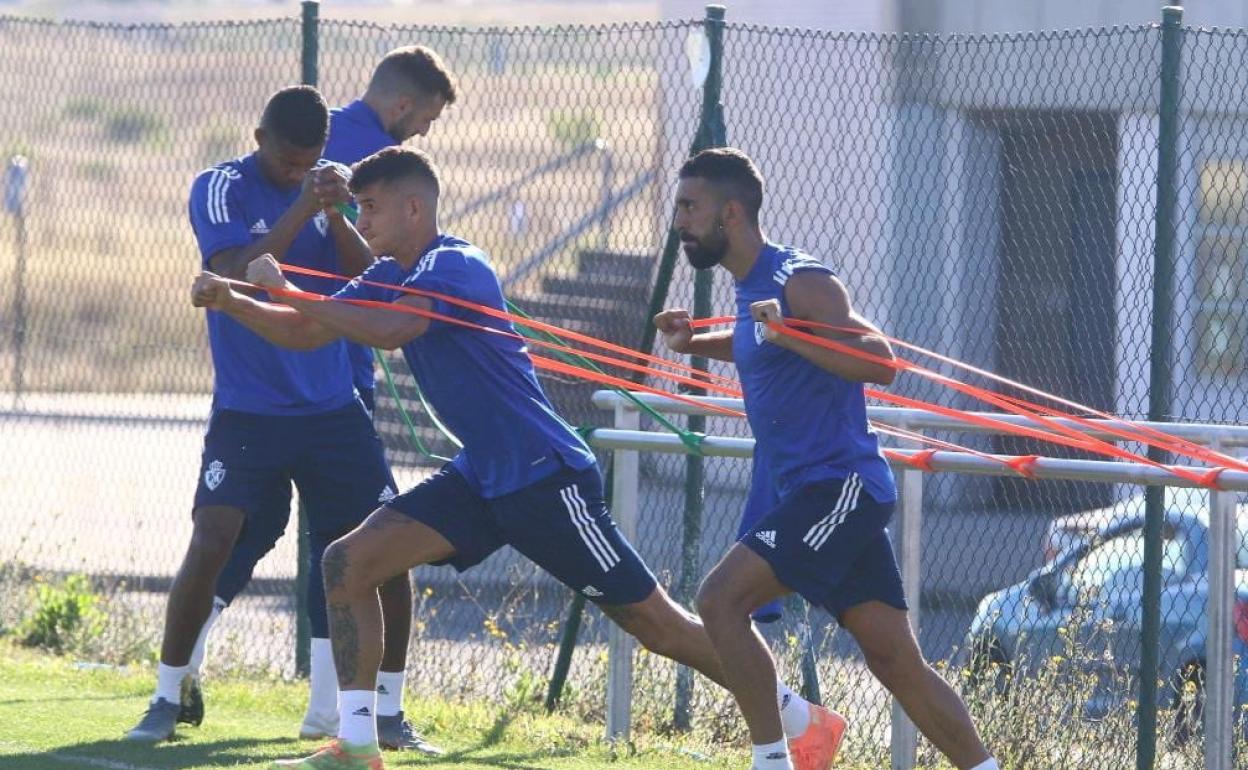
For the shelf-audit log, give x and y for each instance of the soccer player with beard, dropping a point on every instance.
(825, 537)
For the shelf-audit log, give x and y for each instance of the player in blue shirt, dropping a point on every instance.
(826, 537)
(524, 478)
(408, 90)
(278, 416)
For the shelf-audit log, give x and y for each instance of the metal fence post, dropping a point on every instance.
(625, 488)
(303, 630)
(1159, 385)
(711, 124)
(1220, 667)
(904, 739)
(17, 177)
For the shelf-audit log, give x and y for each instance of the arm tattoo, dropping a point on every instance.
(346, 643)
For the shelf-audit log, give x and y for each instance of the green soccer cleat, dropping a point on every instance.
(337, 755)
(157, 724)
(192, 707)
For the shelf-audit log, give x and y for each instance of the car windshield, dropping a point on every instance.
(1124, 553)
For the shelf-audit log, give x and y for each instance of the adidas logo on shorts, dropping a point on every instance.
(768, 536)
(591, 592)
(362, 711)
(386, 495)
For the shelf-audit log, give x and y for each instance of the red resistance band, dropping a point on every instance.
(720, 384)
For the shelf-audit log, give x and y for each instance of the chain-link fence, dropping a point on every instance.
(993, 197)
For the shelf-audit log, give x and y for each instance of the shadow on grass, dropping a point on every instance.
(507, 760)
(120, 755)
(65, 698)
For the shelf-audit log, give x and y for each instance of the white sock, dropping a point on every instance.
(322, 680)
(772, 756)
(169, 682)
(390, 692)
(794, 710)
(201, 644)
(988, 764)
(357, 717)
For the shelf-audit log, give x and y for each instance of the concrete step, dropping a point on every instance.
(598, 265)
(554, 308)
(610, 288)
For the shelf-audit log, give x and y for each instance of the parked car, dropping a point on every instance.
(1077, 528)
(1093, 589)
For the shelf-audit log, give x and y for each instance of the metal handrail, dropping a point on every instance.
(918, 419)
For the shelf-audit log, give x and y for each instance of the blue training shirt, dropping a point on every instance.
(809, 424)
(232, 204)
(355, 132)
(481, 385)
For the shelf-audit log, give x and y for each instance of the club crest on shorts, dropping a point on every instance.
(215, 474)
(322, 222)
(759, 328)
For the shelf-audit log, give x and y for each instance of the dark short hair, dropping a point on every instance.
(395, 164)
(732, 173)
(414, 67)
(297, 115)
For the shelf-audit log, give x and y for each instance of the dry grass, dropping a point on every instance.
(115, 138)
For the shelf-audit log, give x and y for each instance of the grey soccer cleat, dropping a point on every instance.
(191, 711)
(157, 723)
(396, 734)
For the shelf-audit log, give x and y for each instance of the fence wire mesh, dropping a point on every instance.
(990, 197)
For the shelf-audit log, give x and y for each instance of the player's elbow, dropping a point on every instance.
(884, 375)
(400, 334)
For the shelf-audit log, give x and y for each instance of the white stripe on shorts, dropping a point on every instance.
(848, 501)
(594, 540)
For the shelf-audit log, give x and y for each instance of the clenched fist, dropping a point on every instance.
(211, 291)
(674, 325)
(265, 272)
(767, 312)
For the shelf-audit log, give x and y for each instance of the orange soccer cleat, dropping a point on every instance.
(336, 755)
(816, 748)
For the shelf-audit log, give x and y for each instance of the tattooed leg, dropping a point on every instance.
(387, 544)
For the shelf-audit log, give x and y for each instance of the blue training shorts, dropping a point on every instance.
(561, 523)
(336, 460)
(828, 541)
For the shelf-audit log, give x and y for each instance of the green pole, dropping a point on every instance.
(711, 124)
(1159, 379)
(303, 631)
(310, 48)
(567, 643)
(711, 133)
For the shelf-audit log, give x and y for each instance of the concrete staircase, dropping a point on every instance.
(607, 298)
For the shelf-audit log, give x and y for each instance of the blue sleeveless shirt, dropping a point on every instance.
(809, 424)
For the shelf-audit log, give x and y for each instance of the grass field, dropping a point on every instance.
(59, 715)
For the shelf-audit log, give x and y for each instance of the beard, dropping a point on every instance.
(705, 253)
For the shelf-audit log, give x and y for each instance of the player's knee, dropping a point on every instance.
(651, 623)
(713, 602)
(892, 664)
(213, 538)
(342, 572)
(659, 640)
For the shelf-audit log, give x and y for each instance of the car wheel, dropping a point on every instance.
(1189, 702)
(989, 666)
